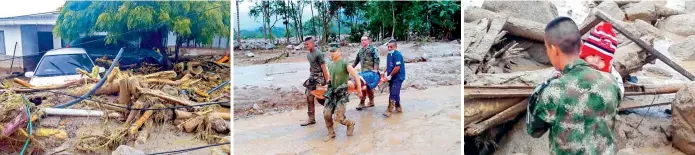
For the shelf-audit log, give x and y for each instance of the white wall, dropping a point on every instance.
(12, 35)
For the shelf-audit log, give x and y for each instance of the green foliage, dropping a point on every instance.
(194, 20)
(356, 33)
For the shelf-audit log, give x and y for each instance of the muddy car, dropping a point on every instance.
(96, 47)
(60, 65)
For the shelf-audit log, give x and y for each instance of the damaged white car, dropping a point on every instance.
(60, 66)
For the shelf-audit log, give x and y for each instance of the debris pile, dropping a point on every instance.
(505, 58)
(140, 98)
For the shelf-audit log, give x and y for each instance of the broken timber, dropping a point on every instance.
(602, 16)
(516, 26)
(475, 92)
(489, 39)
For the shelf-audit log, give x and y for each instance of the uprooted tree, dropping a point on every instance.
(198, 21)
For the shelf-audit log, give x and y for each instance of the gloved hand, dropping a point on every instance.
(388, 77)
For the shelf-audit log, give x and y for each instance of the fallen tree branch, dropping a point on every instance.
(499, 118)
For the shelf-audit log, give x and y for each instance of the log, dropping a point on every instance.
(187, 115)
(22, 82)
(183, 114)
(165, 96)
(477, 110)
(134, 113)
(170, 82)
(161, 75)
(602, 15)
(144, 133)
(123, 92)
(134, 128)
(191, 124)
(516, 26)
(52, 87)
(500, 118)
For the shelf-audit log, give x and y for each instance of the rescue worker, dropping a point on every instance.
(369, 57)
(317, 77)
(579, 106)
(337, 93)
(395, 74)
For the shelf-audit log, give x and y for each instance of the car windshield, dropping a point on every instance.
(55, 65)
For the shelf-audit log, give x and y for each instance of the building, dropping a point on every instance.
(33, 35)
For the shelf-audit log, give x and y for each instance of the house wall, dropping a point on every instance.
(12, 34)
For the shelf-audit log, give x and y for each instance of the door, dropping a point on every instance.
(45, 41)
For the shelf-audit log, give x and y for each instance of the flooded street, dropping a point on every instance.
(430, 124)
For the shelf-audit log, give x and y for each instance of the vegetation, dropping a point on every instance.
(381, 19)
(197, 21)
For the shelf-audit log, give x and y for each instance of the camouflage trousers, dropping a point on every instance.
(336, 98)
(314, 80)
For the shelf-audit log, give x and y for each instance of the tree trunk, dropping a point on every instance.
(238, 27)
(393, 18)
(299, 20)
(312, 16)
(176, 49)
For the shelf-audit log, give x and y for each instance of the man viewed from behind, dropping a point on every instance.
(580, 106)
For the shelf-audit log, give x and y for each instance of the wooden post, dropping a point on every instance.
(651, 50)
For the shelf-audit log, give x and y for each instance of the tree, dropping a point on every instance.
(238, 28)
(150, 21)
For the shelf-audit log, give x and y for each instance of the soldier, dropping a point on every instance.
(318, 76)
(395, 71)
(369, 56)
(337, 93)
(580, 106)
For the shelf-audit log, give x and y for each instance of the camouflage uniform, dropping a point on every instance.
(315, 79)
(578, 108)
(369, 57)
(336, 96)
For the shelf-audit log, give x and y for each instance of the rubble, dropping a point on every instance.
(679, 24)
(542, 12)
(127, 150)
(611, 8)
(683, 50)
(684, 119)
(516, 26)
(644, 10)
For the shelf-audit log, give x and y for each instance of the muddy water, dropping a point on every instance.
(430, 124)
(278, 74)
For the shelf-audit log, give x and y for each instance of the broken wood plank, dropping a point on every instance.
(22, 82)
(486, 43)
(477, 110)
(516, 26)
(631, 104)
(602, 15)
(499, 118)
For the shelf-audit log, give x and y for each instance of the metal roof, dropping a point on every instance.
(46, 18)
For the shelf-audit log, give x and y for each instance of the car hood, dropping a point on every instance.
(53, 80)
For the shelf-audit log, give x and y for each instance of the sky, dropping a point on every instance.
(9, 8)
(249, 23)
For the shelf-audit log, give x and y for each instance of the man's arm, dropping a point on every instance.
(326, 76)
(542, 110)
(357, 60)
(357, 78)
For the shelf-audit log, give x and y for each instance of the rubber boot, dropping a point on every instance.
(329, 125)
(311, 119)
(388, 109)
(370, 94)
(399, 109)
(361, 105)
(310, 111)
(350, 127)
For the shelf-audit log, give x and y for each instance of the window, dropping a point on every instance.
(55, 65)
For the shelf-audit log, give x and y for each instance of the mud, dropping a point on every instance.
(161, 138)
(430, 124)
(276, 86)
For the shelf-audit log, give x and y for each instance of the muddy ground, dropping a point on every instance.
(274, 83)
(430, 124)
(163, 137)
